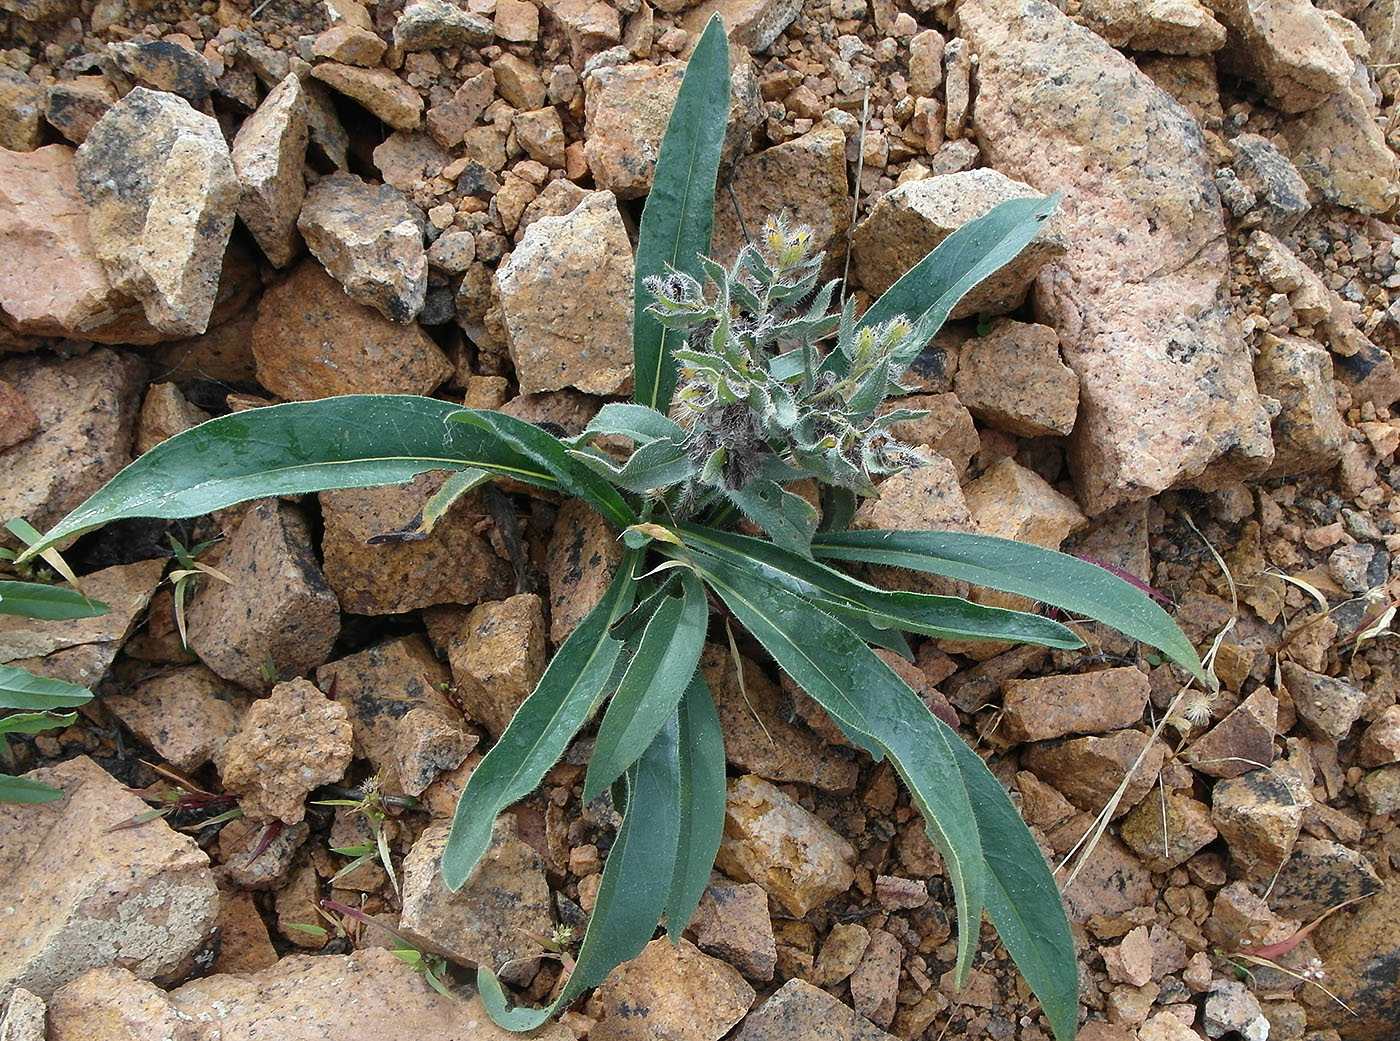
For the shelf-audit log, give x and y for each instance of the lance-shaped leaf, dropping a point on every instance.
(22, 689)
(638, 422)
(927, 293)
(1017, 567)
(656, 677)
(52, 603)
(436, 508)
(354, 441)
(630, 900)
(789, 519)
(702, 800)
(866, 698)
(944, 617)
(21, 789)
(571, 688)
(549, 453)
(35, 722)
(678, 219)
(1022, 899)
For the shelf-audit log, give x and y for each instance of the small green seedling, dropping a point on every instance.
(371, 805)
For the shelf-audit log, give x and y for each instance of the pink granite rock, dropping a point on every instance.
(582, 556)
(1093, 702)
(268, 153)
(497, 658)
(290, 743)
(798, 1011)
(672, 991)
(1166, 387)
(1013, 379)
(141, 898)
(186, 714)
(1287, 48)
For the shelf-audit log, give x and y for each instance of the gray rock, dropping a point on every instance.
(1320, 875)
(165, 66)
(72, 106)
(916, 216)
(370, 239)
(799, 1011)
(268, 154)
(1147, 252)
(1280, 193)
(1326, 705)
(276, 618)
(489, 920)
(427, 25)
(581, 338)
(162, 189)
(1309, 431)
(140, 898)
(1232, 1007)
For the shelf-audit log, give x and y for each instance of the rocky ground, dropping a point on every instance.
(1188, 376)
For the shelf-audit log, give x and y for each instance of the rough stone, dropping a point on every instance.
(21, 105)
(489, 920)
(798, 1011)
(426, 744)
(141, 898)
(54, 284)
(305, 995)
(1258, 815)
(1165, 26)
(580, 338)
(1309, 431)
(517, 21)
(1380, 742)
(1241, 742)
(672, 991)
(519, 82)
(1188, 828)
(186, 715)
(86, 409)
(947, 428)
(918, 499)
(1320, 875)
(378, 90)
(164, 413)
(450, 120)
(370, 239)
(429, 25)
(452, 564)
(72, 106)
(290, 743)
(1328, 706)
(805, 178)
(1280, 193)
(1361, 949)
(751, 24)
(1287, 48)
(276, 617)
(626, 108)
(1147, 252)
(732, 924)
(589, 25)
(1012, 378)
(165, 66)
(162, 192)
(582, 556)
(916, 216)
(80, 651)
(23, 1016)
(759, 735)
(1112, 882)
(18, 422)
(1379, 790)
(1088, 770)
(379, 687)
(349, 45)
(875, 981)
(310, 342)
(268, 153)
(1341, 150)
(1092, 702)
(498, 656)
(770, 840)
(541, 133)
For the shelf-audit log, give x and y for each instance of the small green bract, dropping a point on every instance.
(745, 409)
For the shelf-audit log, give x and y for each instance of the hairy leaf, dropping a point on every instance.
(571, 688)
(52, 603)
(22, 689)
(21, 789)
(1016, 567)
(354, 441)
(678, 219)
(640, 423)
(702, 800)
(35, 722)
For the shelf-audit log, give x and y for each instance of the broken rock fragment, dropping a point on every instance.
(581, 338)
(162, 188)
(799, 1010)
(268, 154)
(1053, 706)
(291, 742)
(185, 714)
(371, 241)
(379, 90)
(141, 898)
(1013, 378)
(1258, 815)
(276, 617)
(672, 991)
(426, 25)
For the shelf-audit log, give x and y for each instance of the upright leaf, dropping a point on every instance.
(1017, 567)
(567, 694)
(354, 441)
(678, 219)
(702, 799)
(656, 677)
(865, 697)
(927, 293)
(629, 900)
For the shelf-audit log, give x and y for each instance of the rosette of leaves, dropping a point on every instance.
(736, 399)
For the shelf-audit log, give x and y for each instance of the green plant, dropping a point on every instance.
(33, 703)
(739, 396)
(371, 805)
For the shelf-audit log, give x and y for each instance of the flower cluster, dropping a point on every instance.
(757, 396)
